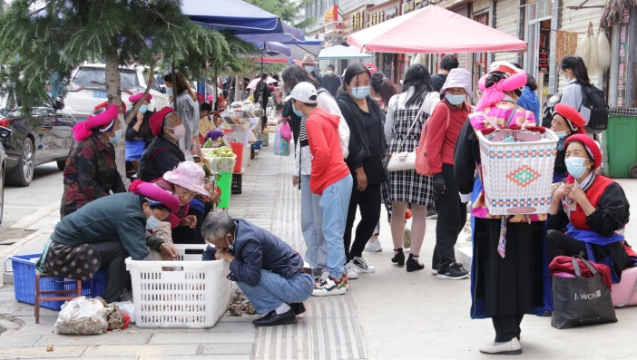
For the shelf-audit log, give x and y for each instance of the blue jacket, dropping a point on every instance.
(529, 101)
(117, 217)
(256, 249)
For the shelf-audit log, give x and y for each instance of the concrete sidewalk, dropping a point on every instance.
(390, 314)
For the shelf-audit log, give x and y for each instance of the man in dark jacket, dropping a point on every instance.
(269, 272)
(331, 81)
(447, 63)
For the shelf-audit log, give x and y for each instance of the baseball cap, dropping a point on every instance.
(303, 92)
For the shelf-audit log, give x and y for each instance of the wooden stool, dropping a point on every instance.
(61, 294)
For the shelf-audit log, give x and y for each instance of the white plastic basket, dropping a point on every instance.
(221, 164)
(189, 293)
(517, 176)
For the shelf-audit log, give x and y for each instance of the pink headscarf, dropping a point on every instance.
(496, 92)
(84, 130)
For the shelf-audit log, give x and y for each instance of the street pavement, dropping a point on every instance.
(390, 314)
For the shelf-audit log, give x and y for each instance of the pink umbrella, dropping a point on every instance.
(253, 83)
(433, 30)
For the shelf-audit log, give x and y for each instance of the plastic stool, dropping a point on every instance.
(59, 294)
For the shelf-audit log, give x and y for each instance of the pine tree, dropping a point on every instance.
(39, 37)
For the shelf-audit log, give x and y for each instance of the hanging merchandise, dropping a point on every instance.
(566, 43)
(418, 59)
(584, 50)
(593, 65)
(603, 51)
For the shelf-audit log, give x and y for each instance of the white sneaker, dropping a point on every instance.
(328, 287)
(373, 246)
(351, 271)
(512, 347)
(360, 265)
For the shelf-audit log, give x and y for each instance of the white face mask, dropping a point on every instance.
(152, 222)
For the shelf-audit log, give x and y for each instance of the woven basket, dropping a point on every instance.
(517, 176)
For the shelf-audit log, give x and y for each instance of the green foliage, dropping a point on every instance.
(288, 10)
(40, 37)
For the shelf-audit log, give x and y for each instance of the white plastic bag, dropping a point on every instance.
(127, 307)
(82, 316)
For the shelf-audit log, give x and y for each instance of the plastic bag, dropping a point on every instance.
(82, 316)
(286, 131)
(127, 307)
(281, 146)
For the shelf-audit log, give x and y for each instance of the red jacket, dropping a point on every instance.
(328, 165)
(441, 143)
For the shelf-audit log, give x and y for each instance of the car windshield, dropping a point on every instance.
(95, 77)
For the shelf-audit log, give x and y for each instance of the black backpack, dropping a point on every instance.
(593, 102)
(548, 110)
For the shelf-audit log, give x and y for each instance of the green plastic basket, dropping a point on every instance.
(225, 184)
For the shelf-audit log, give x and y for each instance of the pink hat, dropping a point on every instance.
(135, 98)
(84, 130)
(157, 119)
(155, 195)
(188, 175)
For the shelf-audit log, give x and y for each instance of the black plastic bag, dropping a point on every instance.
(581, 301)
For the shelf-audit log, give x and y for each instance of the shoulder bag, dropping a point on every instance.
(405, 160)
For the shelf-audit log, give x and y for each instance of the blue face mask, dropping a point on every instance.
(152, 223)
(575, 166)
(360, 92)
(309, 68)
(143, 109)
(117, 137)
(455, 99)
(169, 91)
(329, 72)
(298, 113)
(561, 134)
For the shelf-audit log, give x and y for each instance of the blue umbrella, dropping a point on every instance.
(246, 21)
(274, 49)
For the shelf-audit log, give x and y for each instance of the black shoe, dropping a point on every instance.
(454, 271)
(399, 257)
(413, 264)
(273, 319)
(298, 308)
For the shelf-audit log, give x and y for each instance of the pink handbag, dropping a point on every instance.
(625, 292)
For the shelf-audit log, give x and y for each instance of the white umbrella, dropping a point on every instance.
(253, 83)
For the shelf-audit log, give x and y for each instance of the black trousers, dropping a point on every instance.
(113, 255)
(369, 202)
(558, 243)
(186, 235)
(507, 327)
(452, 216)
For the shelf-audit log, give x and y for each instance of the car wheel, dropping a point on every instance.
(61, 164)
(22, 174)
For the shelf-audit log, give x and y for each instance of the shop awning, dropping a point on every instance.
(246, 21)
(342, 52)
(434, 30)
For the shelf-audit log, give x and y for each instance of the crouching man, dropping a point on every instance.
(268, 271)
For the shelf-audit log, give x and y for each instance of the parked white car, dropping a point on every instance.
(87, 89)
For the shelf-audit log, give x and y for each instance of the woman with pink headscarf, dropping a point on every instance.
(509, 273)
(90, 172)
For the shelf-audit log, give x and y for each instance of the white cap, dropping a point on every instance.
(303, 92)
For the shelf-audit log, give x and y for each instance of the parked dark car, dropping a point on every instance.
(42, 136)
(4, 134)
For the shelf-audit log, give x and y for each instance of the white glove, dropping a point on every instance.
(465, 198)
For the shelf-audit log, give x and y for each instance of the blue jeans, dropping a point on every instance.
(335, 203)
(273, 290)
(311, 222)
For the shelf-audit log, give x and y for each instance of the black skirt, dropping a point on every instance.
(512, 285)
